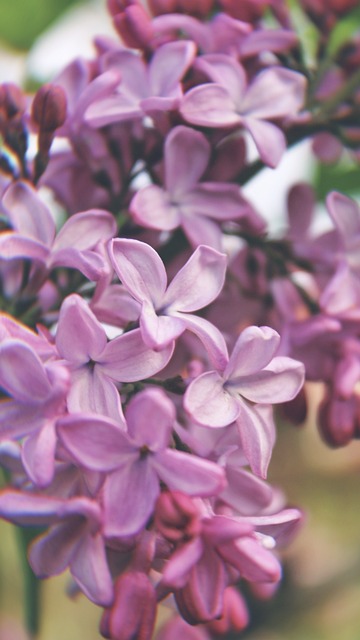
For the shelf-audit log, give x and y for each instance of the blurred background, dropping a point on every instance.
(320, 594)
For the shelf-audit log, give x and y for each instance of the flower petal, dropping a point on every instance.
(209, 403)
(188, 473)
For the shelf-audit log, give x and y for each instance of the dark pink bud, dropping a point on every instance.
(117, 6)
(12, 100)
(135, 27)
(132, 614)
(235, 615)
(199, 9)
(295, 410)
(176, 516)
(337, 420)
(49, 107)
(247, 10)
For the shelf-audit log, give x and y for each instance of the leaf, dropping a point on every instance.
(343, 31)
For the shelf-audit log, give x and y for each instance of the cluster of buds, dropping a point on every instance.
(147, 332)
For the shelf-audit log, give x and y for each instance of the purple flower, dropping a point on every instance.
(184, 200)
(228, 101)
(34, 235)
(97, 364)
(74, 540)
(136, 460)
(167, 311)
(243, 391)
(143, 87)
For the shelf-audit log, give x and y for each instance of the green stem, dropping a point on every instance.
(31, 583)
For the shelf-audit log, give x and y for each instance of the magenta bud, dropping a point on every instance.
(135, 27)
(199, 9)
(132, 614)
(235, 615)
(49, 107)
(12, 100)
(337, 420)
(176, 516)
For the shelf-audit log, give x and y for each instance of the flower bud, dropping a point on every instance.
(199, 9)
(337, 420)
(49, 107)
(235, 616)
(134, 27)
(12, 100)
(176, 516)
(132, 614)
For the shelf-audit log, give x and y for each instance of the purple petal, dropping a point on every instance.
(212, 339)
(159, 331)
(27, 509)
(187, 153)
(269, 139)
(245, 492)
(209, 105)
(140, 269)
(202, 230)
(279, 382)
(28, 213)
(13, 245)
(95, 442)
(209, 403)
(188, 473)
(92, 265)
(177, 568)
(84, 230)
(281, 526)
(225, 71)
(22, 374)
(115, 108)
(252, 560)
(345, 213)
(257, 435)
(79, 337)
(267, 40)
(168, 65)
(216, 200)
(90, 570)
(253, 350)
(93, 391)
(150, 417)
(129, 499)
(153, 208)
(274, 93)
(128, 359)
(52, 553)
(198, 282)
(17, 420)
(38, 455)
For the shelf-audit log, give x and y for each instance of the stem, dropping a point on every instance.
(31, 583)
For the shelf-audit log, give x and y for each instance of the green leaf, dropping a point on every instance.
(343, 31)
(343, 176)
(23, 20)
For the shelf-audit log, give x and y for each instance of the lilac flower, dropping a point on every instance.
(243, 391)
(37, 393)
(342, 294)
(143, 88)
(74, 540)
(137, 460)
(184, 200)
(34, 235)
(166, 311)
(228, 101)
(97, 364)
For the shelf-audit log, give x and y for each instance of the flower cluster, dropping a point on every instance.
(149, 320)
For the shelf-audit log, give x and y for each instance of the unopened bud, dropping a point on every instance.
(132, 614)
(49, 107)
(12, 100)
(235, 615)
(337, 420)
(135, 27)
(199, 9)
(176, 516)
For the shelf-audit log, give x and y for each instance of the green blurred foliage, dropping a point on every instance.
(21, 21)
